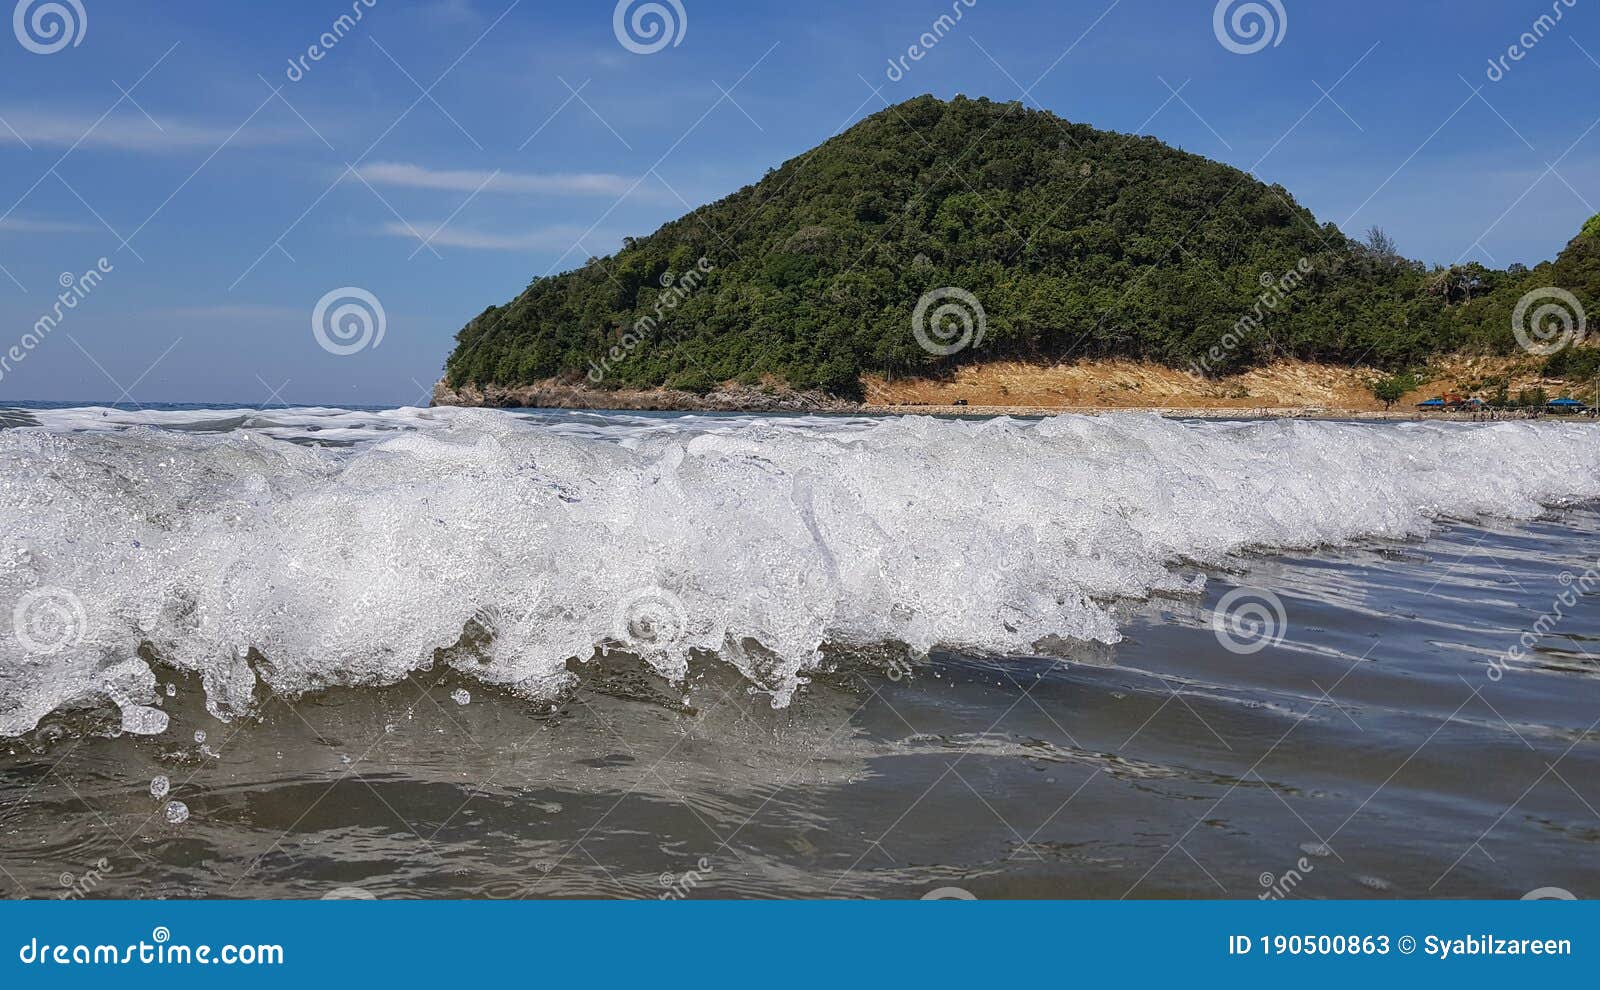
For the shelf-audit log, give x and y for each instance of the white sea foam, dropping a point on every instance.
(258, 563)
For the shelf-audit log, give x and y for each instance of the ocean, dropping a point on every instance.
(401, 653)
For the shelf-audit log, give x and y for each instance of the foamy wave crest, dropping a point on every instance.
(504, 547)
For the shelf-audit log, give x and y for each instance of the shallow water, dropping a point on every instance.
(1379, 743)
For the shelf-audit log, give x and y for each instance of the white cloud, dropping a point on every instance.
(558, 238)
(468, 180)
(125, 132)
(22, 225)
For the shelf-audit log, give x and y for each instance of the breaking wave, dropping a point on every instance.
(227, 546)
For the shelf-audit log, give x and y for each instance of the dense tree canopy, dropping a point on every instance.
(1076, 242)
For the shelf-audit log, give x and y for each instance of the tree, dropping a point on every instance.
(1392, 388)
(1382, 246)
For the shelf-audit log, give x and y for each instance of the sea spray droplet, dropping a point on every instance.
(461, 696)
(160, 786)
(199, 735)
(177, 812)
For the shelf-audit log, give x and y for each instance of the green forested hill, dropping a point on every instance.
(1076, 242)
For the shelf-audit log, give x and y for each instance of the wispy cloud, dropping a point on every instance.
(556, 238)
(235, 312)
(22, 225)
(126, 132)
(468, 180)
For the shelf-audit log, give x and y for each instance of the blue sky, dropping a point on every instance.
(442, 153)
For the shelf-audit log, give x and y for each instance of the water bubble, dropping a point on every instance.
(199, 735)
(143, 721)
(172, 690)
(160, 786)
(461, 696)
(177, 812)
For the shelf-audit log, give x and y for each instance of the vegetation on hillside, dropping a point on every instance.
(1076, 242)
